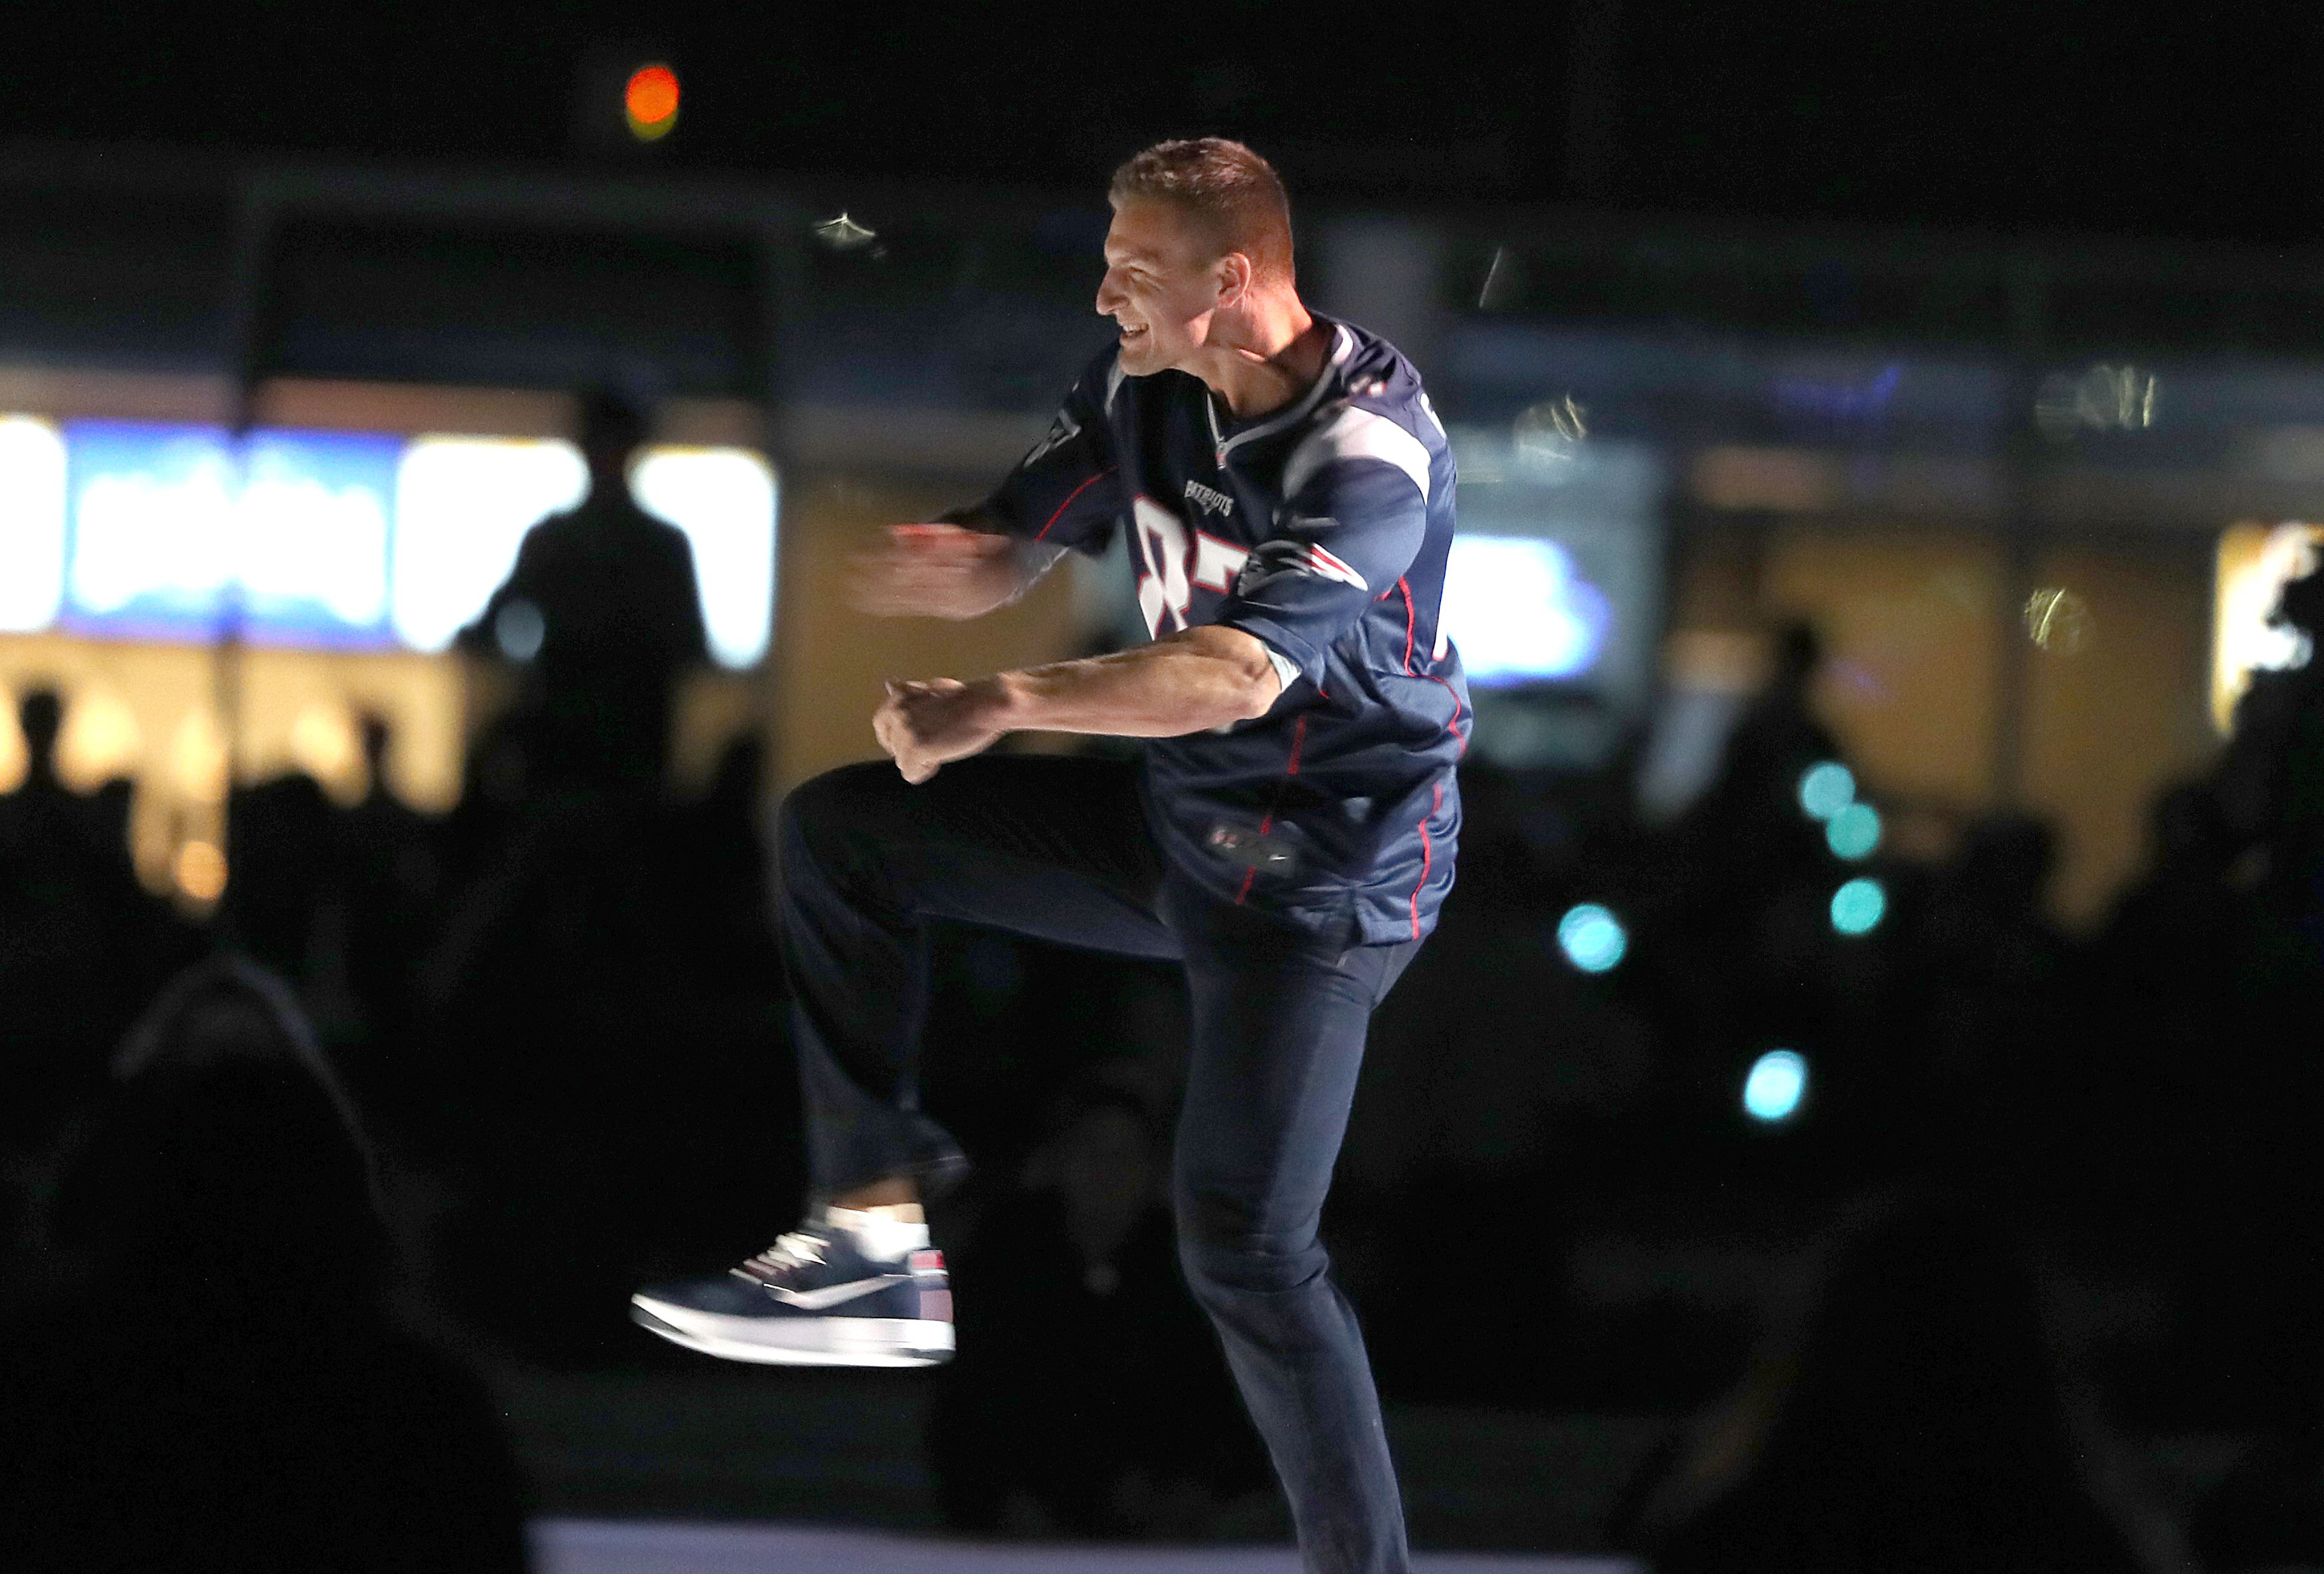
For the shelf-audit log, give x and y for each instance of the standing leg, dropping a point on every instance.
(1056, 849)
(1279, 1034)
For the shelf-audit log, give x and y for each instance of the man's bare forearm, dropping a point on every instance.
(1184, 683)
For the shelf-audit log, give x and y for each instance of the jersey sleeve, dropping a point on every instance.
(1065, 492)
(1355, 511)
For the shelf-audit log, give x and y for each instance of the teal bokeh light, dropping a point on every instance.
(1854, 831)
(1777, 1083)
(1592, 937)
(1857, 906)
(1826, 789)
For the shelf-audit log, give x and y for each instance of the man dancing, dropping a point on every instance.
(1287, 491)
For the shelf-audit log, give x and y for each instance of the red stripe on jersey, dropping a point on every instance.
(1076, 492)
(1453, 726)
(1427, 859)
(1401, 585)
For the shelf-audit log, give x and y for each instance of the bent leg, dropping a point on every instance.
(1279, 1022)
(1054, 848)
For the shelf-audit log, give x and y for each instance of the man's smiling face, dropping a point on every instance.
(1161, 285)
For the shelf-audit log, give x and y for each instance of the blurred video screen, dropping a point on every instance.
(333, 540)
(1520, 611)
(1556, 572)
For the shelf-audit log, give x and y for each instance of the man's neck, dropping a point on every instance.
(1276, 362)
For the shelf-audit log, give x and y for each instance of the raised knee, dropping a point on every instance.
(818, 817)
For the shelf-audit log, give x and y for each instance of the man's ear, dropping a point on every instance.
(1235, 275)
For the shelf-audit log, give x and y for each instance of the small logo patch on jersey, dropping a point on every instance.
(1252, 848)
(1209, 499)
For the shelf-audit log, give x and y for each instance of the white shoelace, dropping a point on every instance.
(793, 1249)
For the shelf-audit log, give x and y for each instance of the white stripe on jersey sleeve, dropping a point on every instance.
(1287, 671)
(1033, 560)
(1356, 434)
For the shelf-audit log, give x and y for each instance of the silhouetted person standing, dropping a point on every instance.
(602, 608)
(98, 822)
(394, 872)
(2270, 782)
(1750, 817)
(78, 936)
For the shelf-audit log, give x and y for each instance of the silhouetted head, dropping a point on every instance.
(2186, 824)
(735, 783)
(1799, 652)
(40, 716)
(614, 426)
(376, 734)
(2301, 603)
(2006, 859)
(224, 1165)
(1103, 1156)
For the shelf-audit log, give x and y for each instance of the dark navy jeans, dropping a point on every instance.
(1057, 849)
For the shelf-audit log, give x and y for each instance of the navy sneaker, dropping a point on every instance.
(826, 1294)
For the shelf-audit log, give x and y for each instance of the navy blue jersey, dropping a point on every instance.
(1321, 529)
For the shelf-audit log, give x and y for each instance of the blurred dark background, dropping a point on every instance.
(1881, 991)
(2073, 114)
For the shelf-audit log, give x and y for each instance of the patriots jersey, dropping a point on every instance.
(1321, 530)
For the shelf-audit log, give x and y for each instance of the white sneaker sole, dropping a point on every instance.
(805, 1341)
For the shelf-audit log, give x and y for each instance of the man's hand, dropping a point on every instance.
(935, 571)
(926, 723)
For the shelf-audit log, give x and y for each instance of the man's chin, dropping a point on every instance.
(1137, 358)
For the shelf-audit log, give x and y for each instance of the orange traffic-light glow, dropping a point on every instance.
(650, 102)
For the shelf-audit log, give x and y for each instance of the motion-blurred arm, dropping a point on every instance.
(945, 571)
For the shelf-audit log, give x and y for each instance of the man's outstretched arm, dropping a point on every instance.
(1184, 683)
(940, 571)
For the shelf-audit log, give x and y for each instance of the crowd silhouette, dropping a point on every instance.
(561, 1008)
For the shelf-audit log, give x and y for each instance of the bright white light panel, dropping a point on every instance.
(337, 540)
(723, 499)
(462, 508)
(1518, 611)
(31, 523)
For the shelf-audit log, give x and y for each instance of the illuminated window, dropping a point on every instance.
(310, 548)
(2254, 561)
(336, 539)
(461, 507)
(161, 526)
(1518, 610)
(723, 499)
(31, 523)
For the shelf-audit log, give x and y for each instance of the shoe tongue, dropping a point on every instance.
(876, 1232)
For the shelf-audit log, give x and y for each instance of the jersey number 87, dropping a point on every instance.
(1175, 568)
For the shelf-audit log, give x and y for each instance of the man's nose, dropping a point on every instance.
(1108, 296)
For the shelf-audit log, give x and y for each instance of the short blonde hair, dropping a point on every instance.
(1234, 193)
